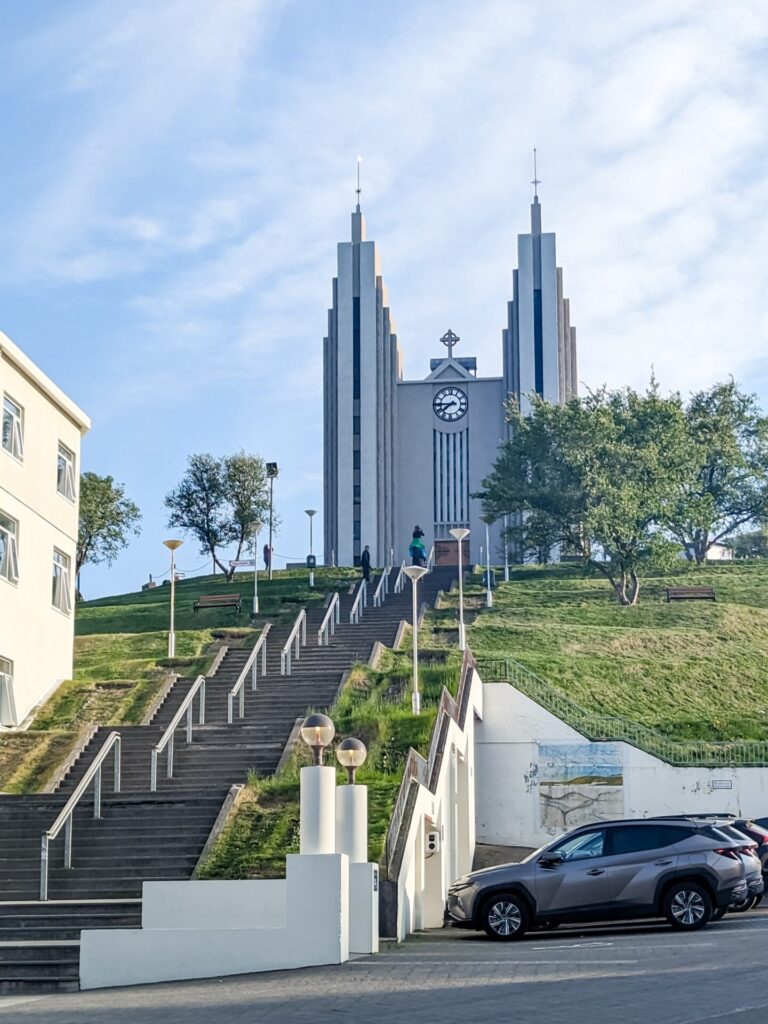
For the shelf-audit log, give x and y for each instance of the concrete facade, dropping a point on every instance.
(39, 490)
(396, 453)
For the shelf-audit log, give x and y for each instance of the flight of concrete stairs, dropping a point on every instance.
(145, 836)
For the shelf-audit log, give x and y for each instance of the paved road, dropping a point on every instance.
(627, 975)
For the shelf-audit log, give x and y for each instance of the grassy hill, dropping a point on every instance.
(693, 670)
(121, 661)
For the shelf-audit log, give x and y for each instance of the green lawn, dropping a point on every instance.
(690, 670)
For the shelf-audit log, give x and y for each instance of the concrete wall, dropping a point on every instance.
(522, 751)
(210, 929)
(424, 878)
(34, 635)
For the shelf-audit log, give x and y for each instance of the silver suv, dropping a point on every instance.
(681, 870)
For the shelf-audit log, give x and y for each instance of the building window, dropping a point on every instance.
(13, 428)
(9, 548)
(65, 473)
(7, 700)
(62, 589)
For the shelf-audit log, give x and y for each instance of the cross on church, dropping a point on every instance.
(449, 339)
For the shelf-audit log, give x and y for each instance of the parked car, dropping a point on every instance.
(753, 843)
(682, 870)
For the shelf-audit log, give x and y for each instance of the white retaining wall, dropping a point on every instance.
(519, 746)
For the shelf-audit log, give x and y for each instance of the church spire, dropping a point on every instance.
(358, 190)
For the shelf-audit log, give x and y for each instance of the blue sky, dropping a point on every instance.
(176, 174)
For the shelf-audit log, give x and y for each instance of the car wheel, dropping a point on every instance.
(747, 904)
(718, 913)
(504, 917)
(687, 906)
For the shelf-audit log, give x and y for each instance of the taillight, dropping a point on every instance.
(751, 849)
(729, 852)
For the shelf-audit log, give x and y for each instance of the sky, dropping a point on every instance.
(176, 175)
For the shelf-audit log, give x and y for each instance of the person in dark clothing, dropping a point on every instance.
(417, 551)
(365, 563)
(267, 556)
(418, 532)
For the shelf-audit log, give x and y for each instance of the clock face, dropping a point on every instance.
(450, 404)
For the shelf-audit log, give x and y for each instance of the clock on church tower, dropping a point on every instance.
(450, 404)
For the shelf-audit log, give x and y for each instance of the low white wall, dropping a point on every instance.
(424, 878)
(212, 929)
(537, 777)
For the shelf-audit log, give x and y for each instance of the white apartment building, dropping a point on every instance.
(39, 485)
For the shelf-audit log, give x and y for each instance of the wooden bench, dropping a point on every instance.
(690, 594)
(218, 601)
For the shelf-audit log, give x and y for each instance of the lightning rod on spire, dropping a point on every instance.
(536, 180)
(358, 190)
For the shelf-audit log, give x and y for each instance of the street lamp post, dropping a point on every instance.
(506, 550)
(172, 546)
(488, 593)
(460, 533)
(255, 530)
(414, 573)
(311, 512)
(271, 474)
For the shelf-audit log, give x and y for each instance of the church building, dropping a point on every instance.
(405, 452)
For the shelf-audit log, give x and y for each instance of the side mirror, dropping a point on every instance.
(550, 859)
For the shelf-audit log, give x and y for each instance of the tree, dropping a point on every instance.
(750, 544)
(219, 500)
(107, 517)
(247, 492)
(727, 486)
(596, 475)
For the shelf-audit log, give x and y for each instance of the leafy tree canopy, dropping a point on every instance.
(219, 501)
(107, 517)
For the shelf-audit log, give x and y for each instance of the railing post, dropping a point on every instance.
(68, 843)
(44, 867)
(242, 699)
(169, 760)
(201, 718)
(189, 723)
(153, 771)
(263, 661)
(229, 709)
(304, 629)
(118, 759)
(96, 794)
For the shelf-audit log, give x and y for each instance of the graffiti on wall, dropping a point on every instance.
(579, 783)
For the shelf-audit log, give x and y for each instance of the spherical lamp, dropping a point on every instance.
(351, 754)
(318, 731)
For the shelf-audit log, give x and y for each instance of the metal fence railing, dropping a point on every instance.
(297, 639)
(252, 666)
(610, 728)
(330, 621)
(360, 602)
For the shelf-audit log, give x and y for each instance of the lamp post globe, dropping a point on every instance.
(414, 574)
(317, 731)
(460, 533)
(351, 754)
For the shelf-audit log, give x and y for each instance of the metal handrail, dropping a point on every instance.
(64, 820)
(382, 587)
(297, 638)
(166, 740)
(250, 665)
(330, 621)
(400, 581)
(596, 727)
(431, 559)
(359, 603)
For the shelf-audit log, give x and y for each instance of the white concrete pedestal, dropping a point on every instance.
(318, 810)
(352, 823)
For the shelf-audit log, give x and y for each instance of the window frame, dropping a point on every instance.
(66, 454)
(65, 568)
(7, 697)
(16, 450)
(13, 546)
(598, 829)
(670, 829)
